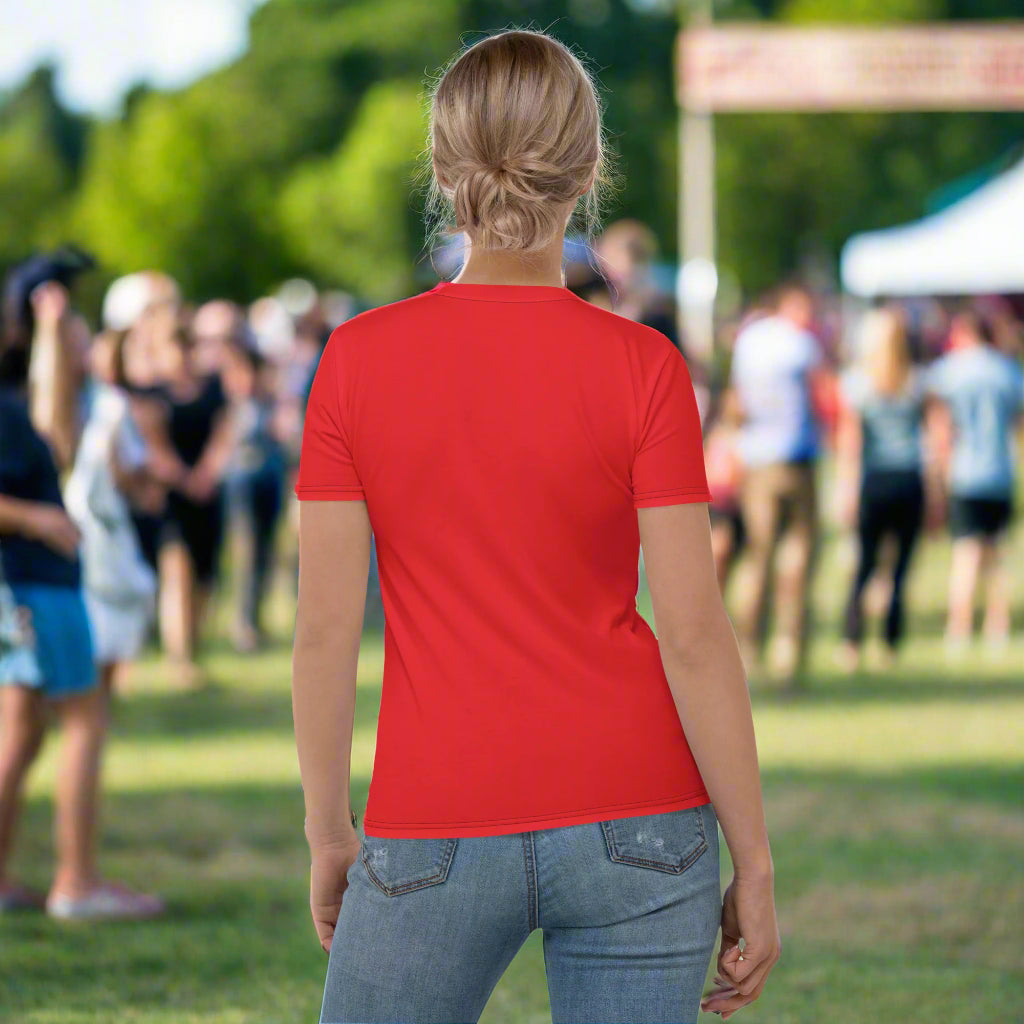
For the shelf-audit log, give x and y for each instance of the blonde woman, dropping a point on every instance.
(881, 483)
(543, 760)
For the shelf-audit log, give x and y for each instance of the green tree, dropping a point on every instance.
(40, 152)
(346, 216)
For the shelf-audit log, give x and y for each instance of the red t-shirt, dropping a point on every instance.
(503, 437)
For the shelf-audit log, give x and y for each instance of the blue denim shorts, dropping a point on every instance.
(61, 640)
(629, 908)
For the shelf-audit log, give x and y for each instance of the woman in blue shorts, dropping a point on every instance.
(46, 659)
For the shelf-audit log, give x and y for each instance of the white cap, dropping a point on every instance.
(126, 300)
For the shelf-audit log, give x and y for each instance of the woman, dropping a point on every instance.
(881, 483)
(39, 548)
(187, 426)
(253, 485)
(543, 760)
(110, 467)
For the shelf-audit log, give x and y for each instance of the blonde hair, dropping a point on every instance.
(515, 132)
(883, 350)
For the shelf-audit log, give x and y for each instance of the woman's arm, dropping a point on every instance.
(938, 436)
(334, 567)
(53, 376)
(40, 521)
(937, 447)
(705, 673)
(163, 462)
(849, 449)
(709, 687)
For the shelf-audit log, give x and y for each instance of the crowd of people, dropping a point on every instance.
(127, 458)
(130, 455)
(922, 425)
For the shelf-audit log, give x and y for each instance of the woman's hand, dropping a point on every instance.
(200, 484)
(50, 303)
(748, 912)
(331, 860)
(51, 525)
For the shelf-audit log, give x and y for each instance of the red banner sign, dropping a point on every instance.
(944, 66)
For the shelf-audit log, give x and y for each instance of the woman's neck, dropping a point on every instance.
(504, 266)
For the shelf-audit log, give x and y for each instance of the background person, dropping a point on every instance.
(626, 251)
(146, 305)
(119, 584)
(774, 361)
(879, 480)
(982, 391)
(190, 431)
(214, 326)
(39, 548)
(509, 509)
(253, 485)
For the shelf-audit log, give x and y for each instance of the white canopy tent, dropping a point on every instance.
(974, 247)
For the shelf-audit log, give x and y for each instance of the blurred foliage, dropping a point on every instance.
(346, 213)
(793, 185)
(298, 158)
(41, 147)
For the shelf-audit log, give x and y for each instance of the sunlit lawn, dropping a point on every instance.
(895, 805)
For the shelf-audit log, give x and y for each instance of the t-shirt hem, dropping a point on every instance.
(506, 826)
(674, 497)
(311, 492)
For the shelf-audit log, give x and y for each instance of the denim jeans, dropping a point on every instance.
(629, 908)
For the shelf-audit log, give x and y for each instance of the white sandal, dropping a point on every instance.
(106, 901)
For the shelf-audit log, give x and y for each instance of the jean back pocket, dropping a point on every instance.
(669, 841)
(397, 866)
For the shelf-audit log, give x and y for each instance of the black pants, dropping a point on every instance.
(891, 503)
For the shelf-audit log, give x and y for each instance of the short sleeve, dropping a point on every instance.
(668, 468)
(326, 469)
(934, 377)
(851, 387)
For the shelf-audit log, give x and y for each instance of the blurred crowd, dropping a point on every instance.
(131, 454)
(919, 404)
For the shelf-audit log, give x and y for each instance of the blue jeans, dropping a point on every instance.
(630, 910)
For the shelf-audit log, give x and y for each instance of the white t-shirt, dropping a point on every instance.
(771, 364)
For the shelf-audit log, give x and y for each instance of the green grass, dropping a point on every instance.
(895, 804)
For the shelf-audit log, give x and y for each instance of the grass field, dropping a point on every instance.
(895, 805)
